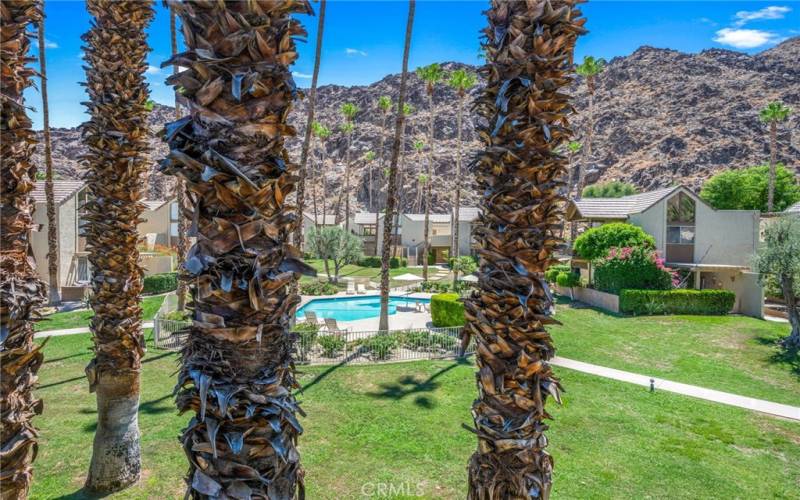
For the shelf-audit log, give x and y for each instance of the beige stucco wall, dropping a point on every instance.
(749, 294)
(67, 224)
(653, 221)
(157, 221)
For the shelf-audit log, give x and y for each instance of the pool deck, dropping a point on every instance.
(398, 321)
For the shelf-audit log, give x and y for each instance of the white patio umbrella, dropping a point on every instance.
(407, 277)
(470, 278)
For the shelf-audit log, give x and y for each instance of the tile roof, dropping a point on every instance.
(465, 214)
(365, 218)
(62, 191)
(437, 218)
(619, 208)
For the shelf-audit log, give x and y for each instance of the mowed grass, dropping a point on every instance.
(373, 273)
(729, 353)
(399, 425)
(78, 319)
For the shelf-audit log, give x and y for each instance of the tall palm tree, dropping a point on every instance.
(391, 189)
(573, 147)
(369, 158)
(237, 372)
(521, 175)
(385, 105)
(52, 230)
(589, 69)
(116, 139)
(431, 74)
(323, 133)
(461, 80)
(349, 111)
(774, 113)
(408, 110)
(21, 290)
(419, 146)
(312, 101)
(180, 195)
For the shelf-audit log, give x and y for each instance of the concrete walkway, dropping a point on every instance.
(759, 405)
(73, 331)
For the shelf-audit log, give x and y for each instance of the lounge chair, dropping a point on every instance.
(351, 288)
(361, 289)
(311, 317)
(330, 323)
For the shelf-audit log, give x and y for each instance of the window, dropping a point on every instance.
(680, 210)
(368, 230)
(440, 229)
(680, 235)
(680, 228)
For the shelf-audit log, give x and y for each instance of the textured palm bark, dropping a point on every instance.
(52, 229)
(116, 137)
(454, 252)
(427, 222)
(21, 290)
(384, 114)
(237, 370)
(773, 148)
(391, 188)
(529, 47)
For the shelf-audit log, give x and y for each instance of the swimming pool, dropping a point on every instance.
(354, 308)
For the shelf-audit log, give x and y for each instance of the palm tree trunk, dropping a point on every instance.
(587, 151)
(391, 190)
(427, 221)
(180, 196)
(237, 371)
(116, 137)
(315, 185)
(52, 225)
(457, 198)
(21, 290)
(378, 197)
(312, 101)
(516, 233)
(346, 191)
(324, 197)
(773, 148)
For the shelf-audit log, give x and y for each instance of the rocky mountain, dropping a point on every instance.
(661, 117)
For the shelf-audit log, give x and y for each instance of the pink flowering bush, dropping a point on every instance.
(634, 268)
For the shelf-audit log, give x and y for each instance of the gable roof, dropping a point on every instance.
(365, 218)
(618, 208)
(154, 204)
(327, 220)
(433, 218)
(465, 214)
(62, 191)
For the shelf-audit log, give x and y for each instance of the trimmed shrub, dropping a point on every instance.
(446, 310)
(676, 301)
(568, 280)
(552, 272)
(632, 268)
(177, 316)
(596, 242)
(318, 288)
(431, 259)
(160, 283)
(331, 345)
(380, 346)
(371, 261)
(395, 263)
(434, 287)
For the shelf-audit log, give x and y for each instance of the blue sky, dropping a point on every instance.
(363, 41)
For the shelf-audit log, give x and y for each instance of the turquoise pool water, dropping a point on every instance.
(354, 308)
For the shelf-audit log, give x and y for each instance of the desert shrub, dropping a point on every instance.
(318, 288)
(446, 310)
(160, 283)
(396, 263)
(306, 337)
(434, 287)
(597, 241)
(632, 268)
(380, 346)
(464, 265)
(676, 301)
(612, 189)
(331, 345)
(552, 272)
(568, 279)
(177, 316)
(371, 261)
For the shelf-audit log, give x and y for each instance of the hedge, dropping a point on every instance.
(553, 271)
(160, 283)
(318, 288)
(446, 310)
(395, 263)
(568, 279)
(706, 302)
(371, 261)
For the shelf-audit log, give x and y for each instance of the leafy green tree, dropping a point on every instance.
(464, 265)
(779, 257)
(431, 74)
(597, 241)
(589, 69)
(612, 189)
(461, 81)
(748, 189)
(334, 244)
(774, 113)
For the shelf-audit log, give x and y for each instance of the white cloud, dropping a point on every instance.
(49, 44)
(706, 20)
(745, 38)
(772, 12)
(152, 70)
(355, 52)
(297, 74)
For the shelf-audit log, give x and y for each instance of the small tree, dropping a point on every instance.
(596, 242)
(779, 256)
(336, 245)
(774, 113)
(612, 189)
(748, 189)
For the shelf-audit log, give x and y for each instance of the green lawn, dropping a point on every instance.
(400, 424)
(77, 319)
(728, 353)
(373, 273)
